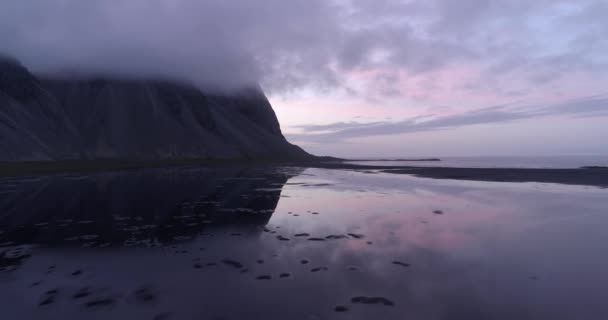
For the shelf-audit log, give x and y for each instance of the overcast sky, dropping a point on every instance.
(356, 77)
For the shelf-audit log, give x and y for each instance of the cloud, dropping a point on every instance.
(595, 106)
(298, 44)
(212, 42)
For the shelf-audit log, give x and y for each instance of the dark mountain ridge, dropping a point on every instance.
(45, 119)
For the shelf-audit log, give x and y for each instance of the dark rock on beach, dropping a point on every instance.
(82, 293)
(100, 302)
(341, 309)
(399, 263)
(316, 239)
(372, 300)
(48, 297)
(334, 237)
(233, 263)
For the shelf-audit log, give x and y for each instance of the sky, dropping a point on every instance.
(355, 78)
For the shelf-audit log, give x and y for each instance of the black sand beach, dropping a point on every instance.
(581, 176)
(590, 176)
(297, 243)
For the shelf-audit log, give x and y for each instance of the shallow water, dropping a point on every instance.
(254, 243)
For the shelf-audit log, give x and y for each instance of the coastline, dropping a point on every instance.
(597, 177)
(35, 168)
(587, 176)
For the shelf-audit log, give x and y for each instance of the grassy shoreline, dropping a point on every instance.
(590, 176)
(11, 169)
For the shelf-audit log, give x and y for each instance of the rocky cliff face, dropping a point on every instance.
(50, 119)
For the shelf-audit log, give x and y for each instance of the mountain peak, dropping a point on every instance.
(15, 80)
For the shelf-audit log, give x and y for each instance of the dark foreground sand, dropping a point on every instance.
(592, 176)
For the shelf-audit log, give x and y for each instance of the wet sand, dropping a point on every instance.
(297, 243)
(590, 176)
(582, 176)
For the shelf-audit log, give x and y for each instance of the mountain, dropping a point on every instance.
(56, 119)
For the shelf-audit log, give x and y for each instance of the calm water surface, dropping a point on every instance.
(561, 162)
(255, 243)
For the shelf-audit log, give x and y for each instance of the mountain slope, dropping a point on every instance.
(51, 119)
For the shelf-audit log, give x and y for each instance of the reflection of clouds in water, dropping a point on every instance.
(401, 213)
(477, 234)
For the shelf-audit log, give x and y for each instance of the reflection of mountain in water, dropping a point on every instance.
(144, 207)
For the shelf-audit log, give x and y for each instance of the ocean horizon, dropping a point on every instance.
(545, 162)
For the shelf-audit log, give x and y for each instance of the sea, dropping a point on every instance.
(562, 162)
